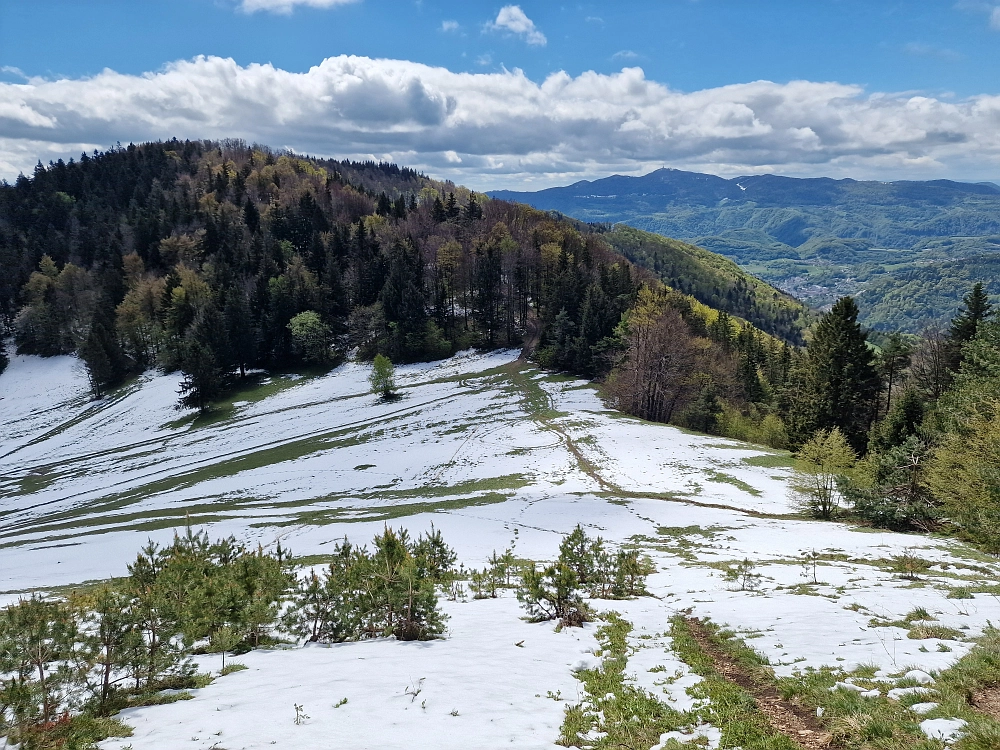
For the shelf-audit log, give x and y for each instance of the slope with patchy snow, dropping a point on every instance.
(495, 454)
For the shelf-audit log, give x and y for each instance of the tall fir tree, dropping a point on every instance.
(976, 309)
(106, 363)
(837, 384)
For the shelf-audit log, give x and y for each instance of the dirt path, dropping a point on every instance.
(794, 721)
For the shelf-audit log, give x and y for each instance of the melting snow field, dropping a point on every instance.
(495, 454)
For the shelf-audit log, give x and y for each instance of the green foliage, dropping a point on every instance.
(713, 280)
(310, 337)
(820, 461)
(907, 250)
(552, 593)
(888, 488)
(389, 591)
(383, 377)
(835, 384)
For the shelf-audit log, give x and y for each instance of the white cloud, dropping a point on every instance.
(287, 6)
(624, 54)
(512, 19)
(449, 26)
(506, 129)
(995, 18)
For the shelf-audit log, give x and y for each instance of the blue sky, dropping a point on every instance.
(692, 53)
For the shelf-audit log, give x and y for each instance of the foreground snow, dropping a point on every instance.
(475, 689)
(496, 455)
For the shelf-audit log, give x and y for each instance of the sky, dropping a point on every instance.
(518, 96)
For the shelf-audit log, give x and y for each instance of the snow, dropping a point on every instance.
(495, 454)
(946, 730)
(474, 689)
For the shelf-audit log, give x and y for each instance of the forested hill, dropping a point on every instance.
(218, 258)
(815, 238)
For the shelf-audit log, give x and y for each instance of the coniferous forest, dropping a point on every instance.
(219, 260)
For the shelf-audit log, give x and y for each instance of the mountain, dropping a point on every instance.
(816, 238)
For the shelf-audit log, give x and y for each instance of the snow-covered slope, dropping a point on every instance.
(496, 455)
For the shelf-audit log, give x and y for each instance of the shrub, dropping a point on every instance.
(552, 593)
(383, 377)
(824, 458)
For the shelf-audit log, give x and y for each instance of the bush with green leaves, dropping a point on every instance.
(390, 591)
(383, 377)
(821, 461)
(889, 490)
(311, 337)
(68, 664)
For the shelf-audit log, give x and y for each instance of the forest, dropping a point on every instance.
(225, 260)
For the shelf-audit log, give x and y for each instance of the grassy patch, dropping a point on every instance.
(731, 708)
(878, 723)
(615, 713)
(721, 478)
(771, 461)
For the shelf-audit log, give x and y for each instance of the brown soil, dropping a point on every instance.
(796, 722)
(987, 701)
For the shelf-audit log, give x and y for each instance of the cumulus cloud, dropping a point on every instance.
(513, 20)
(502, 129)
(449, 26)
(287, 6)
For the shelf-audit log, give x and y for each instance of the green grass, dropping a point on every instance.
(717, 476)
(731, 708)
(614, 712)
(771, 461)
(860, 723)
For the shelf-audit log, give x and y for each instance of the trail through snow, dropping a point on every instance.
(496, 455)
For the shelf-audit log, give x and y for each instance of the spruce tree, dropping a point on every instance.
(894, 359)
(404, 303)
(976, 309)
(837, 384)
(101, 353)
(202, 378)
(4, 359)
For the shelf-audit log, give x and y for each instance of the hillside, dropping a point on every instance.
(714, 280)
(496, 454)
(815, 238)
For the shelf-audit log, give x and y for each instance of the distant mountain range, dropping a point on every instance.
(817, 238)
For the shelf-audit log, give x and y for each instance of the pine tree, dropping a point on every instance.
(4, 359)
(976, 309)
(837, 384)
(202, 379)
(101, 353)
